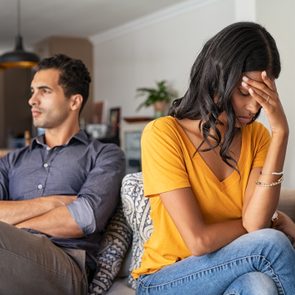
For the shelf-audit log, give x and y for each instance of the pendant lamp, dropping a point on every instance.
(18, 58)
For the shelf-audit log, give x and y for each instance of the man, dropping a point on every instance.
(58, 193)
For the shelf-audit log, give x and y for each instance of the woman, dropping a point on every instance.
(213, 176)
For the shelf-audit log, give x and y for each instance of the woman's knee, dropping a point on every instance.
(270, 237)
(252, 283)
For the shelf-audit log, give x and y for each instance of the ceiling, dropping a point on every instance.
(43, 18)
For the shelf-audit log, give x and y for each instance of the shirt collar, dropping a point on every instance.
(80, 136)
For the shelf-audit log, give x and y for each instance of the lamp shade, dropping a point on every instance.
(18, 58)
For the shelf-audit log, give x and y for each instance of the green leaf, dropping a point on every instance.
(152, 95)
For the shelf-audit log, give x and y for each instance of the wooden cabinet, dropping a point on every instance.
(15, 113)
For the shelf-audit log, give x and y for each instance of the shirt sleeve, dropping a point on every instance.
(261, 144)
(4, 170)
(100, 193)
(163, 164)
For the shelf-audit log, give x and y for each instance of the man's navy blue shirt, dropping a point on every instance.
(87, 168)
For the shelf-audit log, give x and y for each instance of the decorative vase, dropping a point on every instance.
(160, 108)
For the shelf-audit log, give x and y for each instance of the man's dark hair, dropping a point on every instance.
(74, 76)
(240, 47)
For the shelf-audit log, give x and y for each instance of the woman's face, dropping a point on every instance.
(244, 105)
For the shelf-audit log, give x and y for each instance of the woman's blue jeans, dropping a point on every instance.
(258, 263)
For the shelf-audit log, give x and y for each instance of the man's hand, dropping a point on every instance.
(14, 212)
(59, 200)
(57, 223)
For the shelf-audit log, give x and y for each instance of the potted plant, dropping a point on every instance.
(158, 97)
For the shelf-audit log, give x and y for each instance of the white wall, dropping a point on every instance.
(278, 18)
(165, 45)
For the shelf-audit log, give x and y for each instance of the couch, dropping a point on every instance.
(135, 230)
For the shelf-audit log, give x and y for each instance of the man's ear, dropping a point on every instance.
(76, 102)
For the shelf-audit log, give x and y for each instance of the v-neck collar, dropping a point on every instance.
(194, 153)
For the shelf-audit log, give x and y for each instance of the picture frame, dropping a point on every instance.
(114, 121)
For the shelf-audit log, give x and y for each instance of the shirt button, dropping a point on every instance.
(40, 186)
(45, 165)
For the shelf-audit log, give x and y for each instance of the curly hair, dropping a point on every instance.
(74, 76)
(238, 48)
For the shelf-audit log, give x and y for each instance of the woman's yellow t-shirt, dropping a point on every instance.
(169, 162)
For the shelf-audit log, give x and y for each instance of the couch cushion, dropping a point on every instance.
(112, 250)
(137, 212)
(287, 202)
(120, 287)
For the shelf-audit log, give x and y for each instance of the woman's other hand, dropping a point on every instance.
(285, 224)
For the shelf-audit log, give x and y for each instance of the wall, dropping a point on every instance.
(164, 46)
(278, 18)
(159, 47)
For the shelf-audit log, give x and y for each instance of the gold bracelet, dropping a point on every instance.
(280, 180)
(273, 173)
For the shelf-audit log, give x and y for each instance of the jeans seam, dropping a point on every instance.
(212, 269)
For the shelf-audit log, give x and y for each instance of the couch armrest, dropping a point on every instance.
(287, 202)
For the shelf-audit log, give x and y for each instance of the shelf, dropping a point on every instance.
(137, 119)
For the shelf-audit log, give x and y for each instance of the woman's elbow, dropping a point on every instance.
(250, 225)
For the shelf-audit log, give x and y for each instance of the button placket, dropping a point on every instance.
(50, 156)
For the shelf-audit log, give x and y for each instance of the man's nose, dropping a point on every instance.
(33, 99)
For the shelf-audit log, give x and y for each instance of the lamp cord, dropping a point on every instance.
(18, 18)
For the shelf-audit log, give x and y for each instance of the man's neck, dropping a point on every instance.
(58, 137)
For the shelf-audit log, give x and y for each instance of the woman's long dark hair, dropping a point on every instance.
(241, 47)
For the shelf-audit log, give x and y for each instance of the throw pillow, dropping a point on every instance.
(137, 212)
(112, 250)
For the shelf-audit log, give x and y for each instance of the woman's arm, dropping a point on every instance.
(199, 237)
(263, 189)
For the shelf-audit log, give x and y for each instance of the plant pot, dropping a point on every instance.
(160, 108)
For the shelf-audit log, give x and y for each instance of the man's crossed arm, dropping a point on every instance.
(48, 215)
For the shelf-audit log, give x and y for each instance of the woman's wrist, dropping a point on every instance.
(281, 134)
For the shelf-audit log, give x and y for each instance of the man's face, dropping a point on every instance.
(50, 106)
